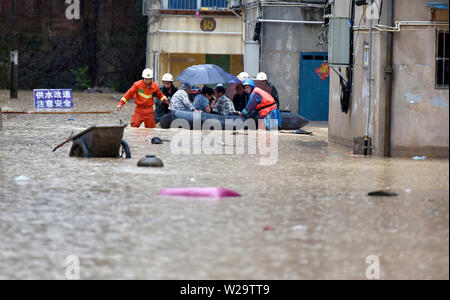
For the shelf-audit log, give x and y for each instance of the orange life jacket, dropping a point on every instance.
(267, 103)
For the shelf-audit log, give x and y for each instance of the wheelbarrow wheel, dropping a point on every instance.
(124, 150)
(79, 149)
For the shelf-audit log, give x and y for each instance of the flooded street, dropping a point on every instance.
(306, 217)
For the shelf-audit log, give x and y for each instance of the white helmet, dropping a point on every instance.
(243, 76)
(167, 77)
(147, 73)
(261, 76)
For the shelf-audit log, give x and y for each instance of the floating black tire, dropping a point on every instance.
(79, 149)
(124, 149)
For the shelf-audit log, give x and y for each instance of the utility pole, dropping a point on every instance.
(14, 53)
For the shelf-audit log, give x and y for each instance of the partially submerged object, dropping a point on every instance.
(209, 192)
(150, 161)
(289, 121)
(100, 141)
(156, 140)
(21, 180)
(297, 131)
(382, 194)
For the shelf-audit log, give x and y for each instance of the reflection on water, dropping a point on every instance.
(314, 200)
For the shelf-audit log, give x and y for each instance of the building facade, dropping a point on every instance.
(399, 87)
(182, 33)
(285, 39)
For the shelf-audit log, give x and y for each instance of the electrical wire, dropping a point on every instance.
(347, 86)
(381, 11)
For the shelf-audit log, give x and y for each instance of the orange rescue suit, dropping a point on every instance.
(143, 98)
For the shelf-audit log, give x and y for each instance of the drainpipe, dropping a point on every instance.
(370, 73)
(261, 52)
(146, 44)
(388, 76)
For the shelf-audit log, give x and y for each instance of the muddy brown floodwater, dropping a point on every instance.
(306, 217)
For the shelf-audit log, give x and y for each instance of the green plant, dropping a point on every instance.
(81, 77)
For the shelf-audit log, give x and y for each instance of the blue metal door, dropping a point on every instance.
(313, 90)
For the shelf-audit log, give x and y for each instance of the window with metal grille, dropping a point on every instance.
(195, 4)
(442, 59)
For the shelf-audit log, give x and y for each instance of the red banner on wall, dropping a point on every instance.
(323, 71)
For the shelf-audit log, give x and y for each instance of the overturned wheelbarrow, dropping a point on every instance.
(100, 141)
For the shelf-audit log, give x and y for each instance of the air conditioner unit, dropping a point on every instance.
(339, 41)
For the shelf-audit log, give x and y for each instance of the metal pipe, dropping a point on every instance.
(388, 75)
(147, 48)
(398, 24)
(235, 13)
(288, 21)
(291, 4)
(369, 74)
(193, 32)
(261, 39)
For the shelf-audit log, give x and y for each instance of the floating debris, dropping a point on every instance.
(301, 131)
(298, 131)
(156, 140)
(419, 157)
(299, 228)
(382, 194)
(433, 211)
(209, 192)
(22, 180)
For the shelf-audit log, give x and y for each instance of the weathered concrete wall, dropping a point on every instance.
(420, 111)
(420, 123)
(282, 43)
(281, 48)
(343, 127)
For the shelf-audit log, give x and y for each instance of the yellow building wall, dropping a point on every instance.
(175, 63)
(207, 43)
(177, 51)
(236, 64)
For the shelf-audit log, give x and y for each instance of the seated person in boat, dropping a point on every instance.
(180, 100)
(201, 101)
(264, 104)
(240, 98)
(222, 105)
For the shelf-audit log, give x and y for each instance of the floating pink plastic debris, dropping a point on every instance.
(210, 192)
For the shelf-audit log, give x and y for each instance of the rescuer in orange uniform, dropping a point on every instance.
(143, 92)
